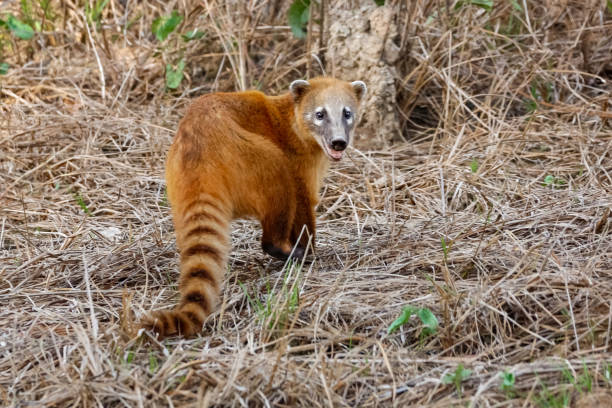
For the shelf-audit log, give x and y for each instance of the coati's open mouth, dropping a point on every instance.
(335, 155)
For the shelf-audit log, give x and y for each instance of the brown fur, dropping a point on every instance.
(239, 155)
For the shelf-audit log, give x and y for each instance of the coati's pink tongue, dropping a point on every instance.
(335, 154)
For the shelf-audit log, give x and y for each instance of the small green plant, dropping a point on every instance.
(18, 28)
(584, 382)
(548, 399)
(428, 319)
(163, 26)
(128, 357)
(298, 15)
(514, 24)
(26, 12)
(474, 165)
(444, 248)
(164, 200)
(174, 74)
(277, 306)
(507, 385)
(552, 181)
(4, 68)
(607, 372)
(262, 309)
(153, 363)
(609, 5)
(457, 377)
(45, 5)
(94, 13)
(81, 202)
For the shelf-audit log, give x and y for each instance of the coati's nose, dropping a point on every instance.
(338, 144)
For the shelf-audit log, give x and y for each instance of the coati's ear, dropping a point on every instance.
(360, 89)
(298, 89)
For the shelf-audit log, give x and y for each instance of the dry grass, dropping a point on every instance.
(521, 199)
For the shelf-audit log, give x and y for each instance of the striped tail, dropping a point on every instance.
(202, 231)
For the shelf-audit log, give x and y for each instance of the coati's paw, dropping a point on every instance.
(298, 253)
(272, 250)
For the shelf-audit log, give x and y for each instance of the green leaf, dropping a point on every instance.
(609, 4)
(174, 76)
(130, 357)
(2, 23)
(298, 17)
(474, 165)
(4, 67)
(98, 9)
(448, 379)
(153, 364)
(379, 2)
(81, 202)
(163, 26)
(464, 373)
(458, 376)
(94, 14)
(484, 4)
(26, 12)
(428, 319)
(407, 312)
(444, 247)
(534, 92)
(193, 35)
(305, 17)
(19, 28)
(549, 180)
(508, 380)
(531, 105)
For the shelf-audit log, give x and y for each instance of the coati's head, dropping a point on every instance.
(326, 109)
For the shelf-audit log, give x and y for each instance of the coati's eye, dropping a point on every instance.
(347, 113)
(319, 115)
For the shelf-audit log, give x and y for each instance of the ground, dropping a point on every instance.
(495, 220)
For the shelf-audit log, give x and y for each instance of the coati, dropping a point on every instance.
(246, 154)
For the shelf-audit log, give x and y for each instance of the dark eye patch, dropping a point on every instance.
(347, 113)
(320, 115)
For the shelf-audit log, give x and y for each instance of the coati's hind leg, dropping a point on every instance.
(277, 221)
(276, 227)
(303, 228)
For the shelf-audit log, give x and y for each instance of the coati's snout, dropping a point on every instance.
(339, 144)
(326, 110)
